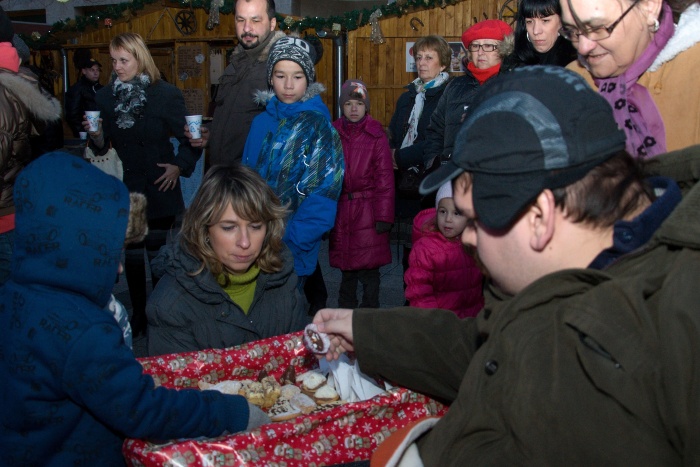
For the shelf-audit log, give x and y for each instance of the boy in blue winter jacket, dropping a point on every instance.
(71, 388)
(293, 146)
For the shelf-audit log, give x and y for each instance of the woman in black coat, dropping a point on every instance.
(139, 113)
(408, 124)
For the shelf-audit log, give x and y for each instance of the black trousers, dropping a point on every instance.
(315, 291)
(369, 278)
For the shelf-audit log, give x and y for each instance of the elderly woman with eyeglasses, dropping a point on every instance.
(646, 67)
(488, 43)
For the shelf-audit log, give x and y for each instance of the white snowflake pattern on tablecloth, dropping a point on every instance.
(341, 433)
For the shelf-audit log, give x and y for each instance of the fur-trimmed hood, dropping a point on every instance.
(42, 107)
(262, 97)
(507, 46)
(687, 34)
(262, 56)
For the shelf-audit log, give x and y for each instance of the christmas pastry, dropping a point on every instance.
(271, 390)
(288, 391)
(311, 382)
(303, 402)
(283, 410)
(226, 387)
(255, 394)
(325, 395)
(289, 376)
(316, 341)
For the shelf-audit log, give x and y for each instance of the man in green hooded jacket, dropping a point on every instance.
(587, 351)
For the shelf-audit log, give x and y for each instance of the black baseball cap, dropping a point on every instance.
(89, 63)
(528, 130)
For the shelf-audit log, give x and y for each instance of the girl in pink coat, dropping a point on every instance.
(359, 241)
(441, 273)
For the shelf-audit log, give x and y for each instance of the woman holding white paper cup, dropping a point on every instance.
(138, 114)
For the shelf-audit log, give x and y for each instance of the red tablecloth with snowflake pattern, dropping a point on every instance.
(336, 435)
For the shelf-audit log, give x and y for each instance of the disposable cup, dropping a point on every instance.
(194, 123)
(83, 135)
(92, 116)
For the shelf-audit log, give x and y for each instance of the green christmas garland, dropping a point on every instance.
(348, 21)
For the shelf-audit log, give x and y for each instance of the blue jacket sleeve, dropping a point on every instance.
(103, 376)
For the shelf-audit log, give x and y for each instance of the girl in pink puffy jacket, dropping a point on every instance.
(441, 273)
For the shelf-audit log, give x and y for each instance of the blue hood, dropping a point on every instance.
(279, 110)
(70, 224)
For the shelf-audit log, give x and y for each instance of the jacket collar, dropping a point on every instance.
(262, 51)
(687, 35)
(263, 97)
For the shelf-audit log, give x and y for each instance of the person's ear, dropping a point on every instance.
(541, 220)
(273, 24)
(651, 10)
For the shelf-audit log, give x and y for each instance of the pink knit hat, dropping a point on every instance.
(489, 29)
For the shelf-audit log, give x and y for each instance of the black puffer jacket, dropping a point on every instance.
(187, 313)
(79, 98)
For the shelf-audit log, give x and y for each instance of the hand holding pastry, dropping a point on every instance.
(337, 323)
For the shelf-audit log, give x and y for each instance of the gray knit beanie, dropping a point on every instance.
(298, 51)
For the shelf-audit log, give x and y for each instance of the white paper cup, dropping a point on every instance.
(92, 116)
(194, 123)
(83, 135)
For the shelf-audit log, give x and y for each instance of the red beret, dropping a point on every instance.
(488, 29)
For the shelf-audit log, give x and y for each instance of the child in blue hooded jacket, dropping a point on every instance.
(294, 147)
(71, 388)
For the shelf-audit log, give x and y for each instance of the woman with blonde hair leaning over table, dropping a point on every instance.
(229, 279)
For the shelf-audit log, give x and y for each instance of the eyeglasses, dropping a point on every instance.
(484, 47)
(597, 33)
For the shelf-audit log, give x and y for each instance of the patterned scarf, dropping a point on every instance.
(417, 110)
(634, 109)
(131, 99)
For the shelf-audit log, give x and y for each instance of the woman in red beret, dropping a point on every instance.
(487, 43)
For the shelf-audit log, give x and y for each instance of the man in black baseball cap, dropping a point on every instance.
(586, 350)
(81, 96)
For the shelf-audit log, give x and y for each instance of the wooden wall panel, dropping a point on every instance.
(381, 66)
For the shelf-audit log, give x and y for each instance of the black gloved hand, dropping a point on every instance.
(383, 227)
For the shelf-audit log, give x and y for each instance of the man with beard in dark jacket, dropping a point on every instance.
(81, 96)
(586, 350)
(245, 74)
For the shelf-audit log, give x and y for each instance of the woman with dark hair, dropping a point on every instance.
(537, 39)
(229, 279)
(139, 113)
